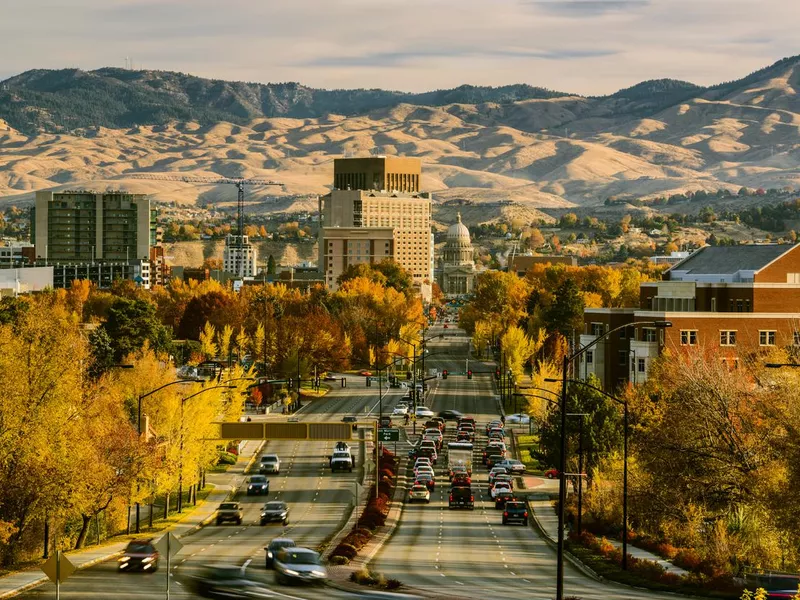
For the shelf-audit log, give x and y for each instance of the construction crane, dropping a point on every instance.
(238, 182)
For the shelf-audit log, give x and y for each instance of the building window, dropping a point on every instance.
(688, 337)
(589, 357)
(740, 306)
(747, 305)
(642, 365)
(766, 337)
(623, 333)
(648, 334)
(597, 329)
(727, 338)
(623, 357)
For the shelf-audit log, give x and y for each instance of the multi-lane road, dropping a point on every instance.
(457, 553)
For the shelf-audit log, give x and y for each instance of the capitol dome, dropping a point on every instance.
(458, 232)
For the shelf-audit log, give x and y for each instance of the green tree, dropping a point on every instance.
(271, 265)
(131, 323)
(565, 313)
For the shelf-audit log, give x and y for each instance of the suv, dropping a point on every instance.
(258, 484)
(341, 460)
(493, 454)
(140, 555)
(270, 463)
(515, 512)
(229, 511)
(461, 497)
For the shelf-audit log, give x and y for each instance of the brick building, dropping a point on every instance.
(729, 302)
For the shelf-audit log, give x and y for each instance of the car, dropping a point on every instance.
(275, 512)
(504, 478)
(460, 479)
(365, 373)
(225, 581)
(515, 512)
(400, 411)
(426, 451)
(422, 460)
(298, 564)
(495, 472)
(427, 469)
(139, 555)
(342, 447)
(461, 496)
(258, 484)
(445, 325)
(495, 453)
(498, 487)
(229, 511)
(330, 377)
(458, 469)
(274, 546)
(497, 433)
(385, 421)
(464, 436)
(349, 419)
(341, 460)
(492, 425)
(423, 411)
(427, 480)
(419, 493)
(436, 441)
(430, 445)
(512, 465)
(270, 463)
(467, 419)
(502, 497)
(450, 415)
(518, 419)
(551, 473)
(434, 432)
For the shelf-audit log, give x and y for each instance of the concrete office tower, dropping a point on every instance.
(369, 211)
(87, 226)
(241, 261)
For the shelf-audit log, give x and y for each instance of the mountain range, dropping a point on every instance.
(520, 148)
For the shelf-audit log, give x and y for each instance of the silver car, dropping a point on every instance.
(298, 564)
(270, 463)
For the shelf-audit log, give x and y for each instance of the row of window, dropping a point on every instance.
(727, 337)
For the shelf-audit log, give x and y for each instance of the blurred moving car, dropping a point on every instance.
(450, 415)
(365, 373)
(225, 581)
(229, 511)
(139, 555)
(518, 419)
(423, 411)
(298, 564)
(275, 512)
(551, 473)
(258, 484)
(274, 546)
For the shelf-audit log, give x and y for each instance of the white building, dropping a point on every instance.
(239, 256)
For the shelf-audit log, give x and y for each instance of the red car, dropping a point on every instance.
(551, 473)
(365, 373)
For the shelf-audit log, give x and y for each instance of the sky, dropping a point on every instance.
(588, 47)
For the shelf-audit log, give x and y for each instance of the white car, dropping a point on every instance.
(424, 469)
(422, 460)
(400, 410)
(518, 419)
(419, 492)
(500, 485)
(424, 411)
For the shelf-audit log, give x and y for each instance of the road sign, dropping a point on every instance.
(58, 568)
(388, 435)
(168, 545)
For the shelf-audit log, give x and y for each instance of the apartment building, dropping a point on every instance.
(96, 236)
(376, 212)
(726, 302)
(239, 256)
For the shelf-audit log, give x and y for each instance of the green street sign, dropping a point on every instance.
(388, 435)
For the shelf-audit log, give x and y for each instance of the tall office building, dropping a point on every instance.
(239, 258)
(357, 217)
(111, 232)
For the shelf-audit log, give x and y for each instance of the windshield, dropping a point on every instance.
(301, 558)
(274, 506)
(341, 455)
(269, 459)
(258, 479)
(228, 506)
(139, 547)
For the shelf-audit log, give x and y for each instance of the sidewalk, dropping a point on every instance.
(546, 516)
(201, 515)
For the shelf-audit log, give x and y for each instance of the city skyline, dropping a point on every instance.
(588, 47)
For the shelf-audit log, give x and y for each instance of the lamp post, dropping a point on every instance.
(562, 489)
(180, 457)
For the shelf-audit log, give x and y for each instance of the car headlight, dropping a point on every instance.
(291, 572)
(250, 487)
(269, 554)
(148, 559)
(124, 559)
(263, 514)
(318, 573)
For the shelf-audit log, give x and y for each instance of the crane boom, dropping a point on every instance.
(239, 182)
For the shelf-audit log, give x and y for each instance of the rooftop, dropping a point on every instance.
(729, 260)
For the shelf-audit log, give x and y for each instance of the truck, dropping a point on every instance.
(341, 460)
(459, 453)
(461, 496)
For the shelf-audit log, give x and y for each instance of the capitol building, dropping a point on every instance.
(456, 266)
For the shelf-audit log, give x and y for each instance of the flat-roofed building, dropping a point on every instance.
(239, 256)
(379, 173)
(346, 246)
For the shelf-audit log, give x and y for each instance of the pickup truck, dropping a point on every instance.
(461, 496)
(229, 511)
(341, 461)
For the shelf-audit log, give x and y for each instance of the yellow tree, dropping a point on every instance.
(518, 348)
(224, 341)
(208, 346)
(482, 337)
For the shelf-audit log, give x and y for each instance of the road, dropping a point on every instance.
(470, 553)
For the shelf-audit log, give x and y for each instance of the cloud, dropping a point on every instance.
(588, 8)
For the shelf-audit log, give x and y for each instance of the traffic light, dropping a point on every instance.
(469, 374)
(444, 374)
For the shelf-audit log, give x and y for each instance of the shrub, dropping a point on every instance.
(226, 458)
(345, 550)
(338, 560)
(688, 558)
(363, 577)
(393, 584)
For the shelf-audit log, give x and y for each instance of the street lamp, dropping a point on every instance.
(562, 489)
(180, 467)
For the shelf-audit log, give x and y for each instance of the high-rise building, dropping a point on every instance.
(96, 236)
(357, 218)
(239, 258)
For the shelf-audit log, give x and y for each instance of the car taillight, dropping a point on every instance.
(472, 498)
(451, 497)
(505, 514)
